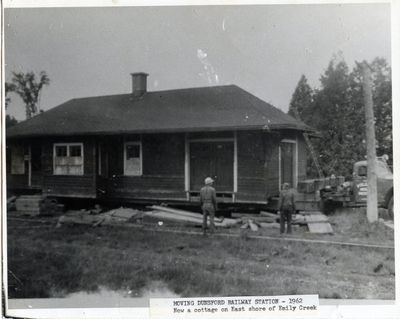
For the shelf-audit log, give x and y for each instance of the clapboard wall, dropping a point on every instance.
(163, 175)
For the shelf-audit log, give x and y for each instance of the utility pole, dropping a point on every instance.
(372, 197)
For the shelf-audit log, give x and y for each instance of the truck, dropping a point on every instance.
(353, 192)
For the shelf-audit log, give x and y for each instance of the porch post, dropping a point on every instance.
(235, 166)
(187, 167)
(30, 165)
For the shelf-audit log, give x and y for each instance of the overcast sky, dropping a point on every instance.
(263, 49)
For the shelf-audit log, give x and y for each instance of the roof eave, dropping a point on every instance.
(167, 130)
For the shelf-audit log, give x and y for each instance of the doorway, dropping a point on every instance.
(288, 163)
(213, 159)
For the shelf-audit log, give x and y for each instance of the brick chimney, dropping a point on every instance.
(139, 83)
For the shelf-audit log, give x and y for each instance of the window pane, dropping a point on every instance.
(68, 159)
(75, 151)
(133, 166)
(362, 171)
(17, 160)
(132, 151)
(61, 151)
(61, 161)
(75, 169)
(133, 159)
(60, 170)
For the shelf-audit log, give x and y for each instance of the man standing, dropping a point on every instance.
(208, 202)
(286, 207)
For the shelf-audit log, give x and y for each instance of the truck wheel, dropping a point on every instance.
(390, 208)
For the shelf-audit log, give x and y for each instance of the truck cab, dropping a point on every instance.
(384, 179)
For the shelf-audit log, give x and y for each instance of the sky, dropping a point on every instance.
(262, 48)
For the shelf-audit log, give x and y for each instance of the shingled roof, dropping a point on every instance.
(184, 110)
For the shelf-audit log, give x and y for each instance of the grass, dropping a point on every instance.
(53, 262)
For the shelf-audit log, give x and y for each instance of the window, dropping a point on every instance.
(133, 158)
(18, 160)
(362, 171)
(68, 159)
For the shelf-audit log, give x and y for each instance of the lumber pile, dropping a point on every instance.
(112, 217)
(186, 217)
(34, 205)
(262, 220)
(317, 223)
(28, 205)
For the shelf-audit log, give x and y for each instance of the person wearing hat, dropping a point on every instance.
(208, 202)
(286, 207)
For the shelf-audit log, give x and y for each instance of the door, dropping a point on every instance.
(213, 159)
(288, 164)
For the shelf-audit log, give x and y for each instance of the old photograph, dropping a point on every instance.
(198, 151)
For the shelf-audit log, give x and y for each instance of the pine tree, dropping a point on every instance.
(336, 111)
(302, 100)
(382, 99)
(329, 116)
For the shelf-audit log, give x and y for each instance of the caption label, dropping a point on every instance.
(296, 306)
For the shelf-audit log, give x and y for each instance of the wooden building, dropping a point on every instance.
(158, 145)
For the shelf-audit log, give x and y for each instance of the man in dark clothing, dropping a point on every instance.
(286, 207)
(208, 202)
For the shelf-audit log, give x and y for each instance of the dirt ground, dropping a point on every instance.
(45, 261)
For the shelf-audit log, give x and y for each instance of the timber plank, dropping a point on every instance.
(320, 228)
(267, 214)
(182, 212)
(253, 226)
(320, 218)
(270, 225)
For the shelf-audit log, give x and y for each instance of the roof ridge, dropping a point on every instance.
(155, 92)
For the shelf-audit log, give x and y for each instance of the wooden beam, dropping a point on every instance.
(187, 167)
(372, 197)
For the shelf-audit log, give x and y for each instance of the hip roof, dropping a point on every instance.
(193, 109)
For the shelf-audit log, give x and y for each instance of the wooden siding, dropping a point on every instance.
(15, 181)
(163, 168)
(149, 186)
(211, 135)
(272, 164)
(163, 157)
(302, 157)
(70, 185)
(251, 160)
(163, 154)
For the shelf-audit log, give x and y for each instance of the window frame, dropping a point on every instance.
(68, 156)
(12, 159)
(139, 143)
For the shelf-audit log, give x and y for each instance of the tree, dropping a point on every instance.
(336, 111)
(329, 115)
(382, 100)
(10, 121)
(29, 89)
(8, 87)
(300, 107)
(302, 99)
